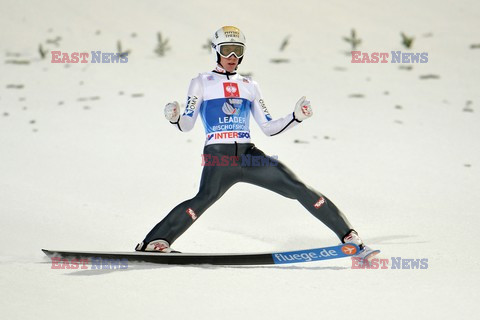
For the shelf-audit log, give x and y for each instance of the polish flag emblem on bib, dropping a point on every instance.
(231, 90)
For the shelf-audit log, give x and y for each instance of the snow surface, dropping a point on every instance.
(88, 162)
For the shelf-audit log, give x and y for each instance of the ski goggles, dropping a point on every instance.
(227, 49)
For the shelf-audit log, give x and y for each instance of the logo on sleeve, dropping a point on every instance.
(230, 89)
(192, 214)
(319, 203)
(191, 106)
(265, 110)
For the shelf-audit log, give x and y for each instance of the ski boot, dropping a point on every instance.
(160, 246)
(366, 253)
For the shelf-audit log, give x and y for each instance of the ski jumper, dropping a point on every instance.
(225, 101)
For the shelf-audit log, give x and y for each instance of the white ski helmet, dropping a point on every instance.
(228, 40)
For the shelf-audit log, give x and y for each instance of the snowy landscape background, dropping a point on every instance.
(88, 161)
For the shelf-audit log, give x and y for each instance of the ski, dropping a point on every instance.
(286, 257)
